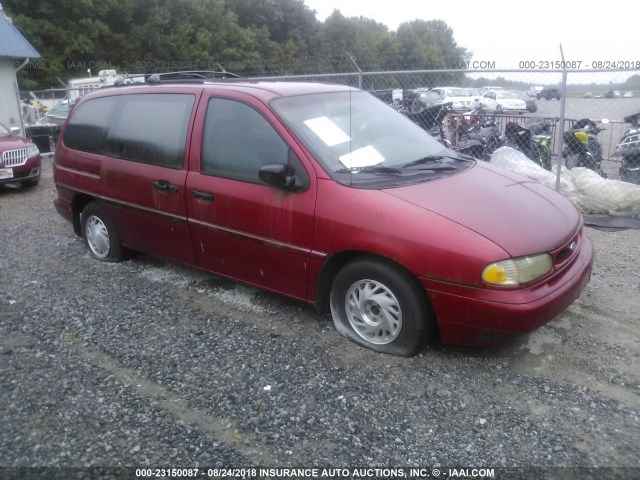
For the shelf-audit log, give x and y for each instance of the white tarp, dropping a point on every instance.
(589, 192)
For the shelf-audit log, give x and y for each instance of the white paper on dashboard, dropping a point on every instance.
(329, 132)
(363, 157)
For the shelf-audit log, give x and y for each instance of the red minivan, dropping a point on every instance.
(325, 194)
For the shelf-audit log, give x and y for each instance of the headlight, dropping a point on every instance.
(517, 271)
(32, 151)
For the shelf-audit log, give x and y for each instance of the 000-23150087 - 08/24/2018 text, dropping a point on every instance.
(283, 472)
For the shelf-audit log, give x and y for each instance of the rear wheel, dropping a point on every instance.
(100, 234)
(378, 305)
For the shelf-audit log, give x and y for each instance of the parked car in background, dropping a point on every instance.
(421, 98)
(58, 114)
(490, 88)
(549, 93)
(628, 94)
(503, 101)
(461, 100)
(20, 159)
(529, 100)
(325, 194)
(476, 93)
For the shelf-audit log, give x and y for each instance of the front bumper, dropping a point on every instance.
(30, 170)
(485, 317)
(512, 109)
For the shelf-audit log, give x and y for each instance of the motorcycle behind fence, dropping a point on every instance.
(629, 150)
(430, 118)
(477, 134)
(535, 140)
(582, 147)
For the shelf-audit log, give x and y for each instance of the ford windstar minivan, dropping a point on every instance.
(325, 194)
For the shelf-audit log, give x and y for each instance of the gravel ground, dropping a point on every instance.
(146, 363)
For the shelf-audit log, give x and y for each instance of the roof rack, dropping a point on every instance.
(191, 76)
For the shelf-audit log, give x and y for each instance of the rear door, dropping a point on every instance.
(243, 228)
(143, 172)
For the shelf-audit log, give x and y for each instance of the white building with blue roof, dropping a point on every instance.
(15, 52)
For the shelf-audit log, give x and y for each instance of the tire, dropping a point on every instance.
(572, 160)
(380, 306)
(546, 160)
(541, 157)
(416, 106)
(100, 235)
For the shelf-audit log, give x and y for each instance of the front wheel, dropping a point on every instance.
(100, 234)
(542, 157)
(378, 305)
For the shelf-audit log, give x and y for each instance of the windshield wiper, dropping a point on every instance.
(433, 159)
(373, 169)
(423, 160)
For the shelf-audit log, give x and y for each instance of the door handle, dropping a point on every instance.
(165, 186)
(206, 196)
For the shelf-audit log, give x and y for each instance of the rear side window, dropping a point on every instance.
(147, 128)
(151, 128)
(88, 127)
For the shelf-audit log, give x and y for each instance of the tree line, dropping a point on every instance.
(248, 37)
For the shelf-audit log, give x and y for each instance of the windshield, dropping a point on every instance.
(354, 133)
(4, 130)
(506, 95)
(61, 109)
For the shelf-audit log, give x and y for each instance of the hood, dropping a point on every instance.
(13, 142)
(520, 215)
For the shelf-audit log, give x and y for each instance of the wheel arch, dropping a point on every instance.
(334, 263)
(78, 203)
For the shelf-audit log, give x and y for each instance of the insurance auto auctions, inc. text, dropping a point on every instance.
(369, 472)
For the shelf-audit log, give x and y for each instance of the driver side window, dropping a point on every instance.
(238, 141)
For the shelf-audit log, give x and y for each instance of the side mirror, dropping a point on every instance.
(278, 175)
(15, 130)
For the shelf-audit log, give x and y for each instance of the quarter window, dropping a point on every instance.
(238, 141)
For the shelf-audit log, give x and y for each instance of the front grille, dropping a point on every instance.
(568, 250)
(14, 158)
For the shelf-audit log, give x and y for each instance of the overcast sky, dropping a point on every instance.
(508, 32)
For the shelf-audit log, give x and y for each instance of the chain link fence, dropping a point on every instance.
(581, 120)
(591, 94)
(573, 118)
